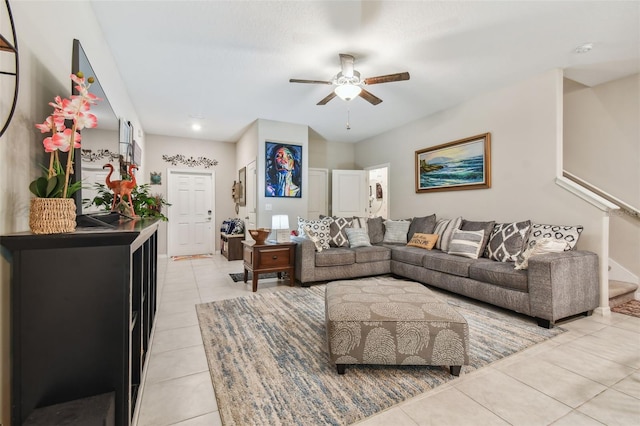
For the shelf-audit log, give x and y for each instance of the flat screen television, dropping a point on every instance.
(99, 145)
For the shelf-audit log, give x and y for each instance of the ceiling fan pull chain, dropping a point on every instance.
(348, 126)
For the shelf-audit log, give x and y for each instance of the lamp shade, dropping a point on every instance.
(280, 221)
(347, 91)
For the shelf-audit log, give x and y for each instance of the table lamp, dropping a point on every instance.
(280, 227)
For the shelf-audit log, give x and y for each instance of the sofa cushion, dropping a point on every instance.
(499, 273)
(436, 260)
(507, 241)
(425, 241)
(408, 254)
(569, 234)
(395, 231)
(335, 257)
(358, 237)
(444, 228)
(423, 225)
(375, 226)
(487, 227)
(466, 243)
(372, 254)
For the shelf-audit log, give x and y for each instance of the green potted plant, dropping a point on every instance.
(145, 204)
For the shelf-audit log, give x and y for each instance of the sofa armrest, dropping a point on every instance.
(563, 284)
(305, 259)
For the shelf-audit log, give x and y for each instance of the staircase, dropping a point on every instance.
(621, 292)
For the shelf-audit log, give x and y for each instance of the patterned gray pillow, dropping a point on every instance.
(507, 241)
(423, 225)
(568, 234)
(444, 229)
(337, 234)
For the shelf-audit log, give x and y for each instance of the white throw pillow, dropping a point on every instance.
(466, 243)
(444, 229)
(541, 246)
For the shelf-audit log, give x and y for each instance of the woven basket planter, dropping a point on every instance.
(52, 215)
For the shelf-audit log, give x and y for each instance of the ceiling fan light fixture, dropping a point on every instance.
(347, 91)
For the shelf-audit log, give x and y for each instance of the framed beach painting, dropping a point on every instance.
(457, 165)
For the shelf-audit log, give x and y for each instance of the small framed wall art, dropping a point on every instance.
(457, 165)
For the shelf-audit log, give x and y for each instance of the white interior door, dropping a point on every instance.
(349, 193)
(190, 230)
(319, 193)
(252, 182)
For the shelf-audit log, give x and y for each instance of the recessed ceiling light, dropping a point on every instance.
(196, 127)
(584, 48)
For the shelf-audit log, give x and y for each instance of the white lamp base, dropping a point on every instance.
(283, 236)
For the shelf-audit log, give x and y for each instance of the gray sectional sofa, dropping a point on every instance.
(555, 285)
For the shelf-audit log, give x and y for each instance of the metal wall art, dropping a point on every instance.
(190, 162)
(89, 156)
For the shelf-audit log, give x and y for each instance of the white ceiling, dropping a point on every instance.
(229, 62)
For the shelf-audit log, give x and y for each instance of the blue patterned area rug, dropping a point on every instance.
(269, 363)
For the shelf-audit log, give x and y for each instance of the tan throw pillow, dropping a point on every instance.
(425, 241)
(541, 246)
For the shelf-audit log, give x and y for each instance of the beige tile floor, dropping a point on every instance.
(589, 375)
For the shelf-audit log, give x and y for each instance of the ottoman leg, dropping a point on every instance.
(455, 369)
(341, 368)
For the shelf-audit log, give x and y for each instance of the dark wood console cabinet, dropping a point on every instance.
(82, 312)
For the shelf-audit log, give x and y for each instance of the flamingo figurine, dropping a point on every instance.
(121, 188)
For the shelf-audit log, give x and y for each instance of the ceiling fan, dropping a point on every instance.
(349, 84)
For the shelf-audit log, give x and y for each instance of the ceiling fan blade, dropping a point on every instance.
(327, 98)
(370, 97)
(295, 80)
(401, 76)
(346, 62)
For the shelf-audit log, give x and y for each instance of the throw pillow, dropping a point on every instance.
(444, 228)
(423, 225)
(425, 241)
(487, 227)
(358, 237)
(337, 236)
(313, 237)
(319, 227)
(541, 246)
(375, 226)
(396, 231)
(569, 234)
(466, 243)
(507, 241)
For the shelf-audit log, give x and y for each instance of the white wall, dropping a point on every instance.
(45, 41)
(246, 152)
(602, 146)
(225, 173)
(523, 120)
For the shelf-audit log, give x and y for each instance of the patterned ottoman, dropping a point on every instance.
(388, 321)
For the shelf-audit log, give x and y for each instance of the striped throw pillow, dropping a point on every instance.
(396, 231)
(444, 228)
(466, 243)
(358, 237)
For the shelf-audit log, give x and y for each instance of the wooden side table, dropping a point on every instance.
(269, 257)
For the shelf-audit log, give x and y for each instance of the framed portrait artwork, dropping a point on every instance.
(283, 170)
(457, 165)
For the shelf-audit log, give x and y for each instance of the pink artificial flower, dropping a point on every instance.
(86, 121)
(51, 124)
(62, 140)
